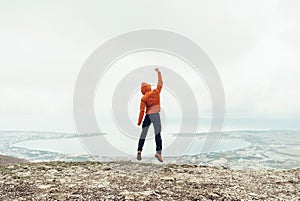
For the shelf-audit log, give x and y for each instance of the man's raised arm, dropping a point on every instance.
(160, 82)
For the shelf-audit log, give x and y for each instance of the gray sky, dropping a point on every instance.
(43, 44)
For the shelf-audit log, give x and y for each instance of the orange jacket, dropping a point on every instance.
(151, 98)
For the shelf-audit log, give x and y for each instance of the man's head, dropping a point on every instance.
(145, 87)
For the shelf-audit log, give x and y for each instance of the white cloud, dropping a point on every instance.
(254, 45)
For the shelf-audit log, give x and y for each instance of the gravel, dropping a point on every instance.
(127, 180)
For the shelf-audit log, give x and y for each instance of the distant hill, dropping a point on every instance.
(11, 160)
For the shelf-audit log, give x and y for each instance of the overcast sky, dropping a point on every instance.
(43, 44)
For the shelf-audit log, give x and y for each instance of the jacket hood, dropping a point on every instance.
(145, 87)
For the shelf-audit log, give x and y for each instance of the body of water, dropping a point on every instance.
(242, 149)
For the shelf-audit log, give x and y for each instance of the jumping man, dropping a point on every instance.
(150, 101)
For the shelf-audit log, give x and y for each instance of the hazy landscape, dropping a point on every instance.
(248, 149)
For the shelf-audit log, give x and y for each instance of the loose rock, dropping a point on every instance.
(126, 180)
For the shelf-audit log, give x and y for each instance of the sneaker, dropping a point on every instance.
(139, 155)
(159, 157)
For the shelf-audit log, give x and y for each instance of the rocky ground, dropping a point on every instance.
(126, 180)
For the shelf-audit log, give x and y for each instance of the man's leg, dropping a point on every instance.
(155, 118)
(145, 127)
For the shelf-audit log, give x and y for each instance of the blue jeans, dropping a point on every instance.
(155, 119)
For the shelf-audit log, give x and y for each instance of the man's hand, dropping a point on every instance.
(139, 123)
(159, 78)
